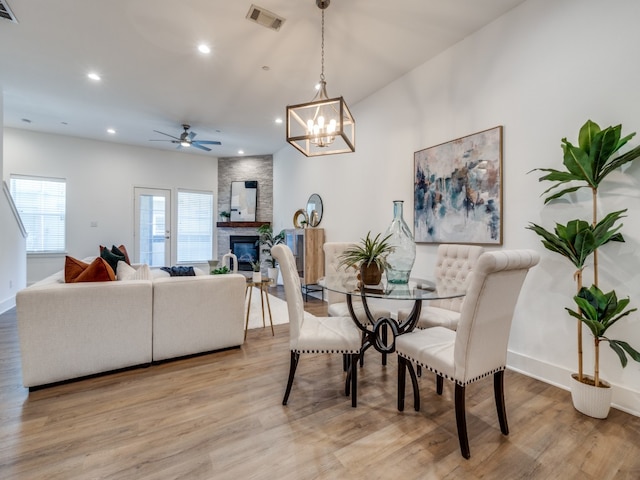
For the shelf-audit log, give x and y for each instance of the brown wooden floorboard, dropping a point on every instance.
(219, 416)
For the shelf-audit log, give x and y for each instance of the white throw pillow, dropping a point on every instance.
(157, 273)
(127, 272)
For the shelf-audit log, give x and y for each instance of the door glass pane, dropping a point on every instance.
(152, 230)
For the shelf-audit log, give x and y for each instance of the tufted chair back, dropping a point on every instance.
(293, 290)
(453, 264)
(485, 320)
(332, 252)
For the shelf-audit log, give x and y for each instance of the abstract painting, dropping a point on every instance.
(458, 190)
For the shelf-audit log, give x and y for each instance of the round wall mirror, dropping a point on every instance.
(314, 210)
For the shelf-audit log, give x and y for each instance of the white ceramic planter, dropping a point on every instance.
(590, 400)
(272, 273)
(257, 277)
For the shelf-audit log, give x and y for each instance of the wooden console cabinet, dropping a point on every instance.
(306, 245)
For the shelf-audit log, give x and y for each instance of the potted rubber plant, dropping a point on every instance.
(369, 257)
(267, 241)
(586, 165)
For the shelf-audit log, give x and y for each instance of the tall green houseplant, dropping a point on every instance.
(586, 166)
(267, 241)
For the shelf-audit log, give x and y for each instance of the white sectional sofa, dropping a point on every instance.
(71, 330)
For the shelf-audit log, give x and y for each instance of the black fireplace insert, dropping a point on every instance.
(246, 249)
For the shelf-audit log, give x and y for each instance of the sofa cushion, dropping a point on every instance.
(121, 251)
(72, 268)
(179, 271)
(96, 271)
(111, 258)
(127, 272)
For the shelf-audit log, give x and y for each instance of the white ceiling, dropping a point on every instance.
(153, 78)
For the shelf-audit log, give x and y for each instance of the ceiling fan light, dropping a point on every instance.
(184, 143)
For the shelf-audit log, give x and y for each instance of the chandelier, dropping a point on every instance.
(323, 126)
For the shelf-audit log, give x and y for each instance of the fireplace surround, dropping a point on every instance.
(246, 249)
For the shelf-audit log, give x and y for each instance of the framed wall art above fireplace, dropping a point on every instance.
(244, 197)
(458, 190)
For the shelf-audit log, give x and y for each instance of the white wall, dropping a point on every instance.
(540, 71)
(13, 264)
(100, 178)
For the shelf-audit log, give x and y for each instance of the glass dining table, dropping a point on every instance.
(376, 330)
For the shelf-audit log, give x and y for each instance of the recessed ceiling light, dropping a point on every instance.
(111, 131)
(203, 48)
(240, 152)
(93, 76)
(278, 120)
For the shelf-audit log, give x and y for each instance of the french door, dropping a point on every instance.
(152, 232)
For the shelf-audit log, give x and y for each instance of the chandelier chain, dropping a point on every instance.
(322, 50)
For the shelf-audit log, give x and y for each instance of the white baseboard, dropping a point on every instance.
(7, 304)
(624, 398)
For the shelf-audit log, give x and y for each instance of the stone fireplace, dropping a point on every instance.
(235, 169)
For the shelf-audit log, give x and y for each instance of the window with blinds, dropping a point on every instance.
(195, 226)
(41, 203)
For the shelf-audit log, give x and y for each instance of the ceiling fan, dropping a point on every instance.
(186, 139)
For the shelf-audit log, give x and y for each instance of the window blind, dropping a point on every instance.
(41, 203)
(195, 226)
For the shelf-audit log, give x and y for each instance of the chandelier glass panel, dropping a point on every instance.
(323, 126)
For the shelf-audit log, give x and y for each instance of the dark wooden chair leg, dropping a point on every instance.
(414, 384)
(439, 382)
(345, 363)
(498, 391)
(461, 422)
(354, 380)
(402, 376)
(292, 371)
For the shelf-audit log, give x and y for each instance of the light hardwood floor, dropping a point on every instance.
(219, 416)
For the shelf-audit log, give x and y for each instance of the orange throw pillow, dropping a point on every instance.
(72, 268)
(97, 271)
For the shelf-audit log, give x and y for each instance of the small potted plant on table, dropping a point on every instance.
(257, 276)
(369, 256)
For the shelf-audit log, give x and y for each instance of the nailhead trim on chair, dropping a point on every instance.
(352, 352)
(462, 384)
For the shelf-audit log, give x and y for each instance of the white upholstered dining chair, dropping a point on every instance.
(479, 346)
(453, 265)
(316, 334)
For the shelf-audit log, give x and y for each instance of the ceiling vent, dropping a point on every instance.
(6, 13)
(264, 17)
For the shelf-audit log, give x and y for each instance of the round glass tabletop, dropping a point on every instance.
(416, 289)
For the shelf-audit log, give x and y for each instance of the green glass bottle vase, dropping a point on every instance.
(404, 255)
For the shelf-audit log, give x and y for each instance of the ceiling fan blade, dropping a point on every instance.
(160, 140)
(207, 142)
(162, 133)
(192, 134)
(197, 145)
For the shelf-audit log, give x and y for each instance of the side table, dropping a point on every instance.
(263, 285)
